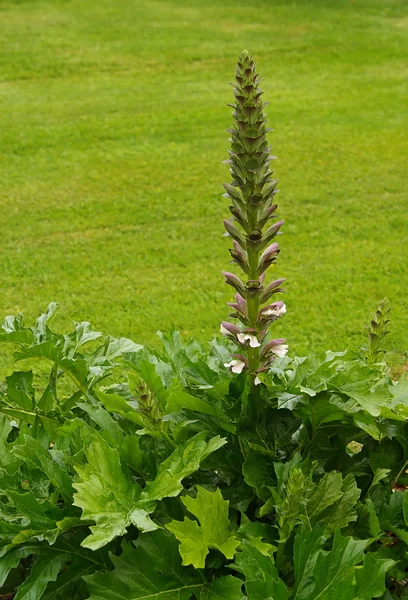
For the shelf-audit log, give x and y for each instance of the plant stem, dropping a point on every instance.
(280, 554)
(166, 437)
(400, 472)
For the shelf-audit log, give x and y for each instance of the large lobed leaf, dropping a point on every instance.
(107, 496)
(326, 575)
(111, 498)
(262, 580)
(211, 531)
(152, 570)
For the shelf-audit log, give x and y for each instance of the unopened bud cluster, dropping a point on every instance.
(377, 330)
(147, 403)
(253, 227)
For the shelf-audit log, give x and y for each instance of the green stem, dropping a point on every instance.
(81, 387)
(404, 466)
(166, 437)
(253, 353)
(280, 554)
(54, 379)
(253, 306)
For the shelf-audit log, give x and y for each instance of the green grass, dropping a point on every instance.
(113, 123)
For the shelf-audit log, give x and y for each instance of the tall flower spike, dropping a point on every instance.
(251, 194)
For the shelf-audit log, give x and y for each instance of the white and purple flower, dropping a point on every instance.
(276, 309)
(248, 337)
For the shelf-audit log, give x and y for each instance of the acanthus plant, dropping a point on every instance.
(252, 228)
(175, 479)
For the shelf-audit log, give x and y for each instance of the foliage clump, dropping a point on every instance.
(171, 478)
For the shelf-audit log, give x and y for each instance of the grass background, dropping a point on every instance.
(113, 123)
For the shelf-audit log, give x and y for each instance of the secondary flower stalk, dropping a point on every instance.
(251, 193)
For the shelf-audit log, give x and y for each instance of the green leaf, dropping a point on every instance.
(258, 473)
(326, 493)
(63, 350)
(131, 452)
(193, 371)
(77, 338)
(101, 417)
(40, 329)
(107, 496)
(334, 570)
(37, 457)
(113, 499)
(13, 331)
(10, 558)
(20, 389)
(256, 532)
(44, 570)
(322, 409)
(29, 416)
(399, 393)
(184, 461)
(118, 404)
(42, 516)
(283, 470)
(47, 349)
(358, 382)
(5, 428)
(371, 578)
(335, 574)
(180, 400)
(291, 508)
(368, 424)
(145, 371)
(151, 570)
(393, 515)
(306, 549)
(48, 401)
(379, 475)
(368, 513)
(103, 359)
(211, 531)
(386, 455)
(223, 588)
(340, 513)
(81, 562)
(261, 576)
(405, 508)
(272, 435)
(315, 371)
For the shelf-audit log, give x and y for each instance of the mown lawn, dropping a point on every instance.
(113, 118)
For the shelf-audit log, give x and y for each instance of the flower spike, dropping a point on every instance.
(251, 194)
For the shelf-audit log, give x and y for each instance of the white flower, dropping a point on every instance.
(280, 350)
(253, 342)
(236, 366)
(257, 381)
(224, 330)
(277, 311)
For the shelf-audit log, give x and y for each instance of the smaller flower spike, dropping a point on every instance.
(251, 194)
